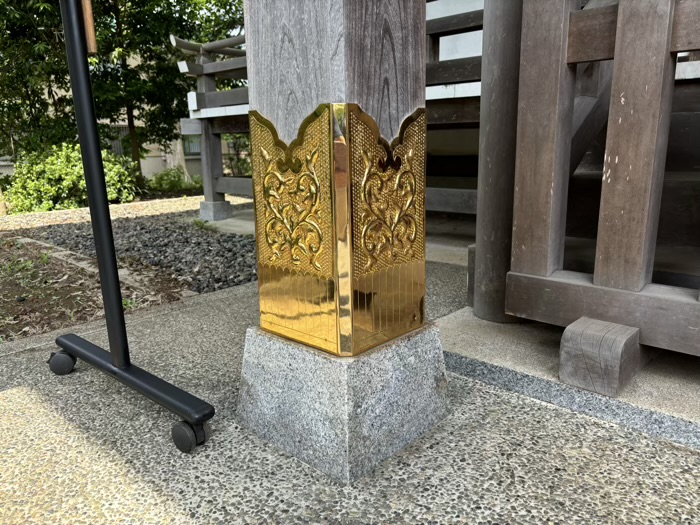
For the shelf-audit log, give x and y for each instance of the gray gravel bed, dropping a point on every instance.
(204, 260)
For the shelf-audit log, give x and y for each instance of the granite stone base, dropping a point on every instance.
(215, 210)
(342, 415)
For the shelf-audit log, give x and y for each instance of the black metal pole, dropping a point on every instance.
(71, 13)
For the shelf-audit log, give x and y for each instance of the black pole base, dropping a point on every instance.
(188, 407)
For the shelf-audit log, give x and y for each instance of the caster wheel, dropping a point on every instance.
(184, 436)
(61, 363)
(187, 436)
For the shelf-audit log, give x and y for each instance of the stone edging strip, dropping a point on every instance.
(649, 422)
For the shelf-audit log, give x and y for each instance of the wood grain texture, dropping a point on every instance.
(302, 53)
(497, 144)
(686, 26)
(455, 24)
(599, 356)
(666, 316)
(295, 57)
(453, 71)
(635, 151)
(546, 98)
(592, 32)
(385, 59)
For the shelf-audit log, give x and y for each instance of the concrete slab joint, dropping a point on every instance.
(342, 415)
(600, 356)
(215, 210)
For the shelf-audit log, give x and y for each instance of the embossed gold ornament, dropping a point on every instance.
(340, 222)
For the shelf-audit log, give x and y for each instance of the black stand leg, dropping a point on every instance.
(195, 412)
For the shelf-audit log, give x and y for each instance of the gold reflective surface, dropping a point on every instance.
(340, 225)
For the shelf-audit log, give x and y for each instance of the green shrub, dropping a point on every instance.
(172, 180)
(55, 181)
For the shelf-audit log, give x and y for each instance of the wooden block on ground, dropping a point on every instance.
(599, 356)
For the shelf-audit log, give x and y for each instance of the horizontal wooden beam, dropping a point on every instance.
(230, 124)
(190, 126)
(450, 200)
(242, 186)
(592, 31)
(453, 71)
(453, 112)
(668, 317)
(231, 65)
(215, 99)
(455, 24)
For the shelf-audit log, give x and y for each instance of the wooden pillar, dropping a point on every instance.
(302, 53)
(214, 207)
(338, 145)
(544, 138)
(635, 152)
(500, 68)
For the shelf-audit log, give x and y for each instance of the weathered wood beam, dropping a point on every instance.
(226, 66)
(592, 31)
(545, 107)
(635, 151)
(453, 71)
(451, 112)
(450, 200)
(215, 99)
(566, 296)
(497, 146)
(455, 24)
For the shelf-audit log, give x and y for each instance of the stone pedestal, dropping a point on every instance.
(215, 210)
(342, 415)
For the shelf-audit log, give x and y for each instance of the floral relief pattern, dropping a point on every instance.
(292, 187)
(388, 193)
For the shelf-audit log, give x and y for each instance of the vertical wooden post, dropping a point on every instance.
(214, 207)
(500, 67)
(302, 53)
(635, 156)
(544, 138)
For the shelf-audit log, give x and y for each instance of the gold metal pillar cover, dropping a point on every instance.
(340, 225)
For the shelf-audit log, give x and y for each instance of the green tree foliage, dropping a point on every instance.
(135, 75)
(55, 181)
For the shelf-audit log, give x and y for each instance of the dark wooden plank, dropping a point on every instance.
(230, 124)
(666, 316)
(453, 112)
(450, 200)
(635, 151)
(686, 26)
(235, 68)
(432, 49)
(216, 99)
(592, 32)
(497, 143)
(455, 24)
(453, 71)
(544, 138)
